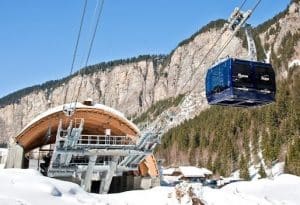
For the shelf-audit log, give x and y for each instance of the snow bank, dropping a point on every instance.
(26, 186)
(155, 196)
(284, 189)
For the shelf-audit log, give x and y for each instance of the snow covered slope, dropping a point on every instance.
(284, 189)
(28, 187)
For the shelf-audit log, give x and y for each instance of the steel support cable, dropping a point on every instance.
(243, 3)
(227, 42)
(81, 65)
(219, 37)
(90, 49)
(256, 5)
(224, 29)
(239, 8)
(76, 46)
(204, 57)
(224, 46)
(230, 39)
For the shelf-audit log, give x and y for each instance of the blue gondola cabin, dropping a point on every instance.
(240, 83)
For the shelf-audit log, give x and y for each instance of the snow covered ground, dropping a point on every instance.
(283, 189)
(28, 187)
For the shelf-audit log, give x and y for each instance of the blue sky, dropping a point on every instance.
(37, 38)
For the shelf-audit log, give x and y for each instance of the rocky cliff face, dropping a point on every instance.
(130, 88)
(280, 39)
(133, 87)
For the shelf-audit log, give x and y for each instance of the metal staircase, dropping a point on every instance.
(66, 140)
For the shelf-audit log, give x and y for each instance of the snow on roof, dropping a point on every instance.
(80, 105)
(206, 171)
(168, 171)
(190, 171)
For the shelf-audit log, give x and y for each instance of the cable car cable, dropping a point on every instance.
(257, 3)
(230, 39)
(82, 60)
(224, 29)
(90, 48)
(76, 46)
(222, 32)
(226, 44)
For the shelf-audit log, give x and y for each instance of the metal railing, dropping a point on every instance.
(104, 140)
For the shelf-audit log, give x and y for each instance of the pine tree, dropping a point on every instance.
(292, 165)
(286, 165)
(244, 171)
(262, 172)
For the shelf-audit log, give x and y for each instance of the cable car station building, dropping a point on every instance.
(97, 147)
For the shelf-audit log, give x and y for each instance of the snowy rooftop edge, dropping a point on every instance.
(80, 105)
(188, 171)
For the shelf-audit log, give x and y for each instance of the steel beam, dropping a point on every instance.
(89, 173)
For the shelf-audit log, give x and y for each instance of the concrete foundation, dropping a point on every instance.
(149, 182)
(146, 183)
(137, 182)
(127, 183)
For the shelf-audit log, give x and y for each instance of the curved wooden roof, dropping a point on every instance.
(97, 118)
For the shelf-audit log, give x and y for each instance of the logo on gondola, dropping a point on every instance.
(240, 75)
(265, 78)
